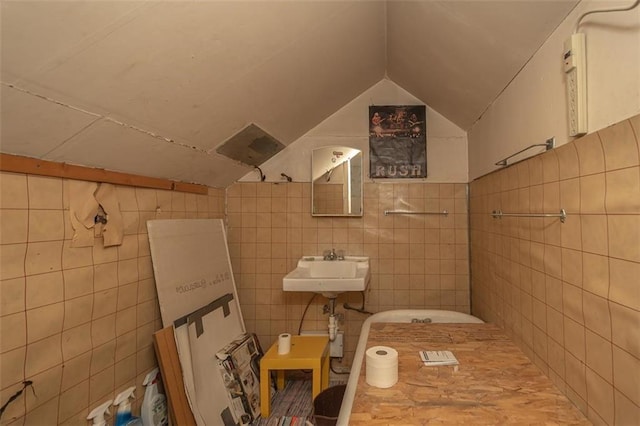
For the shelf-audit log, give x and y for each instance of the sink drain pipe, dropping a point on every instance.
(333, 321)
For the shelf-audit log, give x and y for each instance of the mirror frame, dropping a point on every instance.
(326, 164)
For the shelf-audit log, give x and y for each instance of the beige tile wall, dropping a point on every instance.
(417, 261)
(78, 322)
(568, 294)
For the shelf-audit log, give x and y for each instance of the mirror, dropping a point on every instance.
(336, 181)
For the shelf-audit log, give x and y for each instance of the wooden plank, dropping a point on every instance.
(19, 164)
(169, 363)
(495, 382)
(190, 187)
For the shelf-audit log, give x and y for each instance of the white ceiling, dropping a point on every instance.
(153, 87)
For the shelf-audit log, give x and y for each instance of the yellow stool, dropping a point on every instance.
(307, 352)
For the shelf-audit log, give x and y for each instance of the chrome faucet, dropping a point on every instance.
(331, 255)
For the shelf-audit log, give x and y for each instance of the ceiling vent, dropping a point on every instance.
(252, 146)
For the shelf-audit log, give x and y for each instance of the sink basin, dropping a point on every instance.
(328, 277)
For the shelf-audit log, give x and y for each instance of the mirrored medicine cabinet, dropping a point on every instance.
(336, 181)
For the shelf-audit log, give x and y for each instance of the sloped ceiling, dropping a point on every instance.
(459, 55)
(152, 88)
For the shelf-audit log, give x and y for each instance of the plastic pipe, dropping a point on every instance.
(333, 327)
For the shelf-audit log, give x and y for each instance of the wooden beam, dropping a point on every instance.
(164, 343)
(34, 166)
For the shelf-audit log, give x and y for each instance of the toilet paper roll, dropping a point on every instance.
(284, 343)
(381, 366)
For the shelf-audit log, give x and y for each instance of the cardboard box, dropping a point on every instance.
(239, 364)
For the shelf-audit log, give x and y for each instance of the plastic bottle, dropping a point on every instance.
(97, 414)
(123, 414)
(154, 404)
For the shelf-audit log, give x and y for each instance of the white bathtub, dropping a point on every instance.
(400, 315)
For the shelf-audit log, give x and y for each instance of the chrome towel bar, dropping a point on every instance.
(388, 212)
(562, 215)
(549, 144)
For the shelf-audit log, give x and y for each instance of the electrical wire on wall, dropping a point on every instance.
(286, 177)
(305, 313)
(361, 309)
(574, 60)
(622, 9)
(262, 176)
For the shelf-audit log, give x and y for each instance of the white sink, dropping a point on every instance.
(328, 277)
